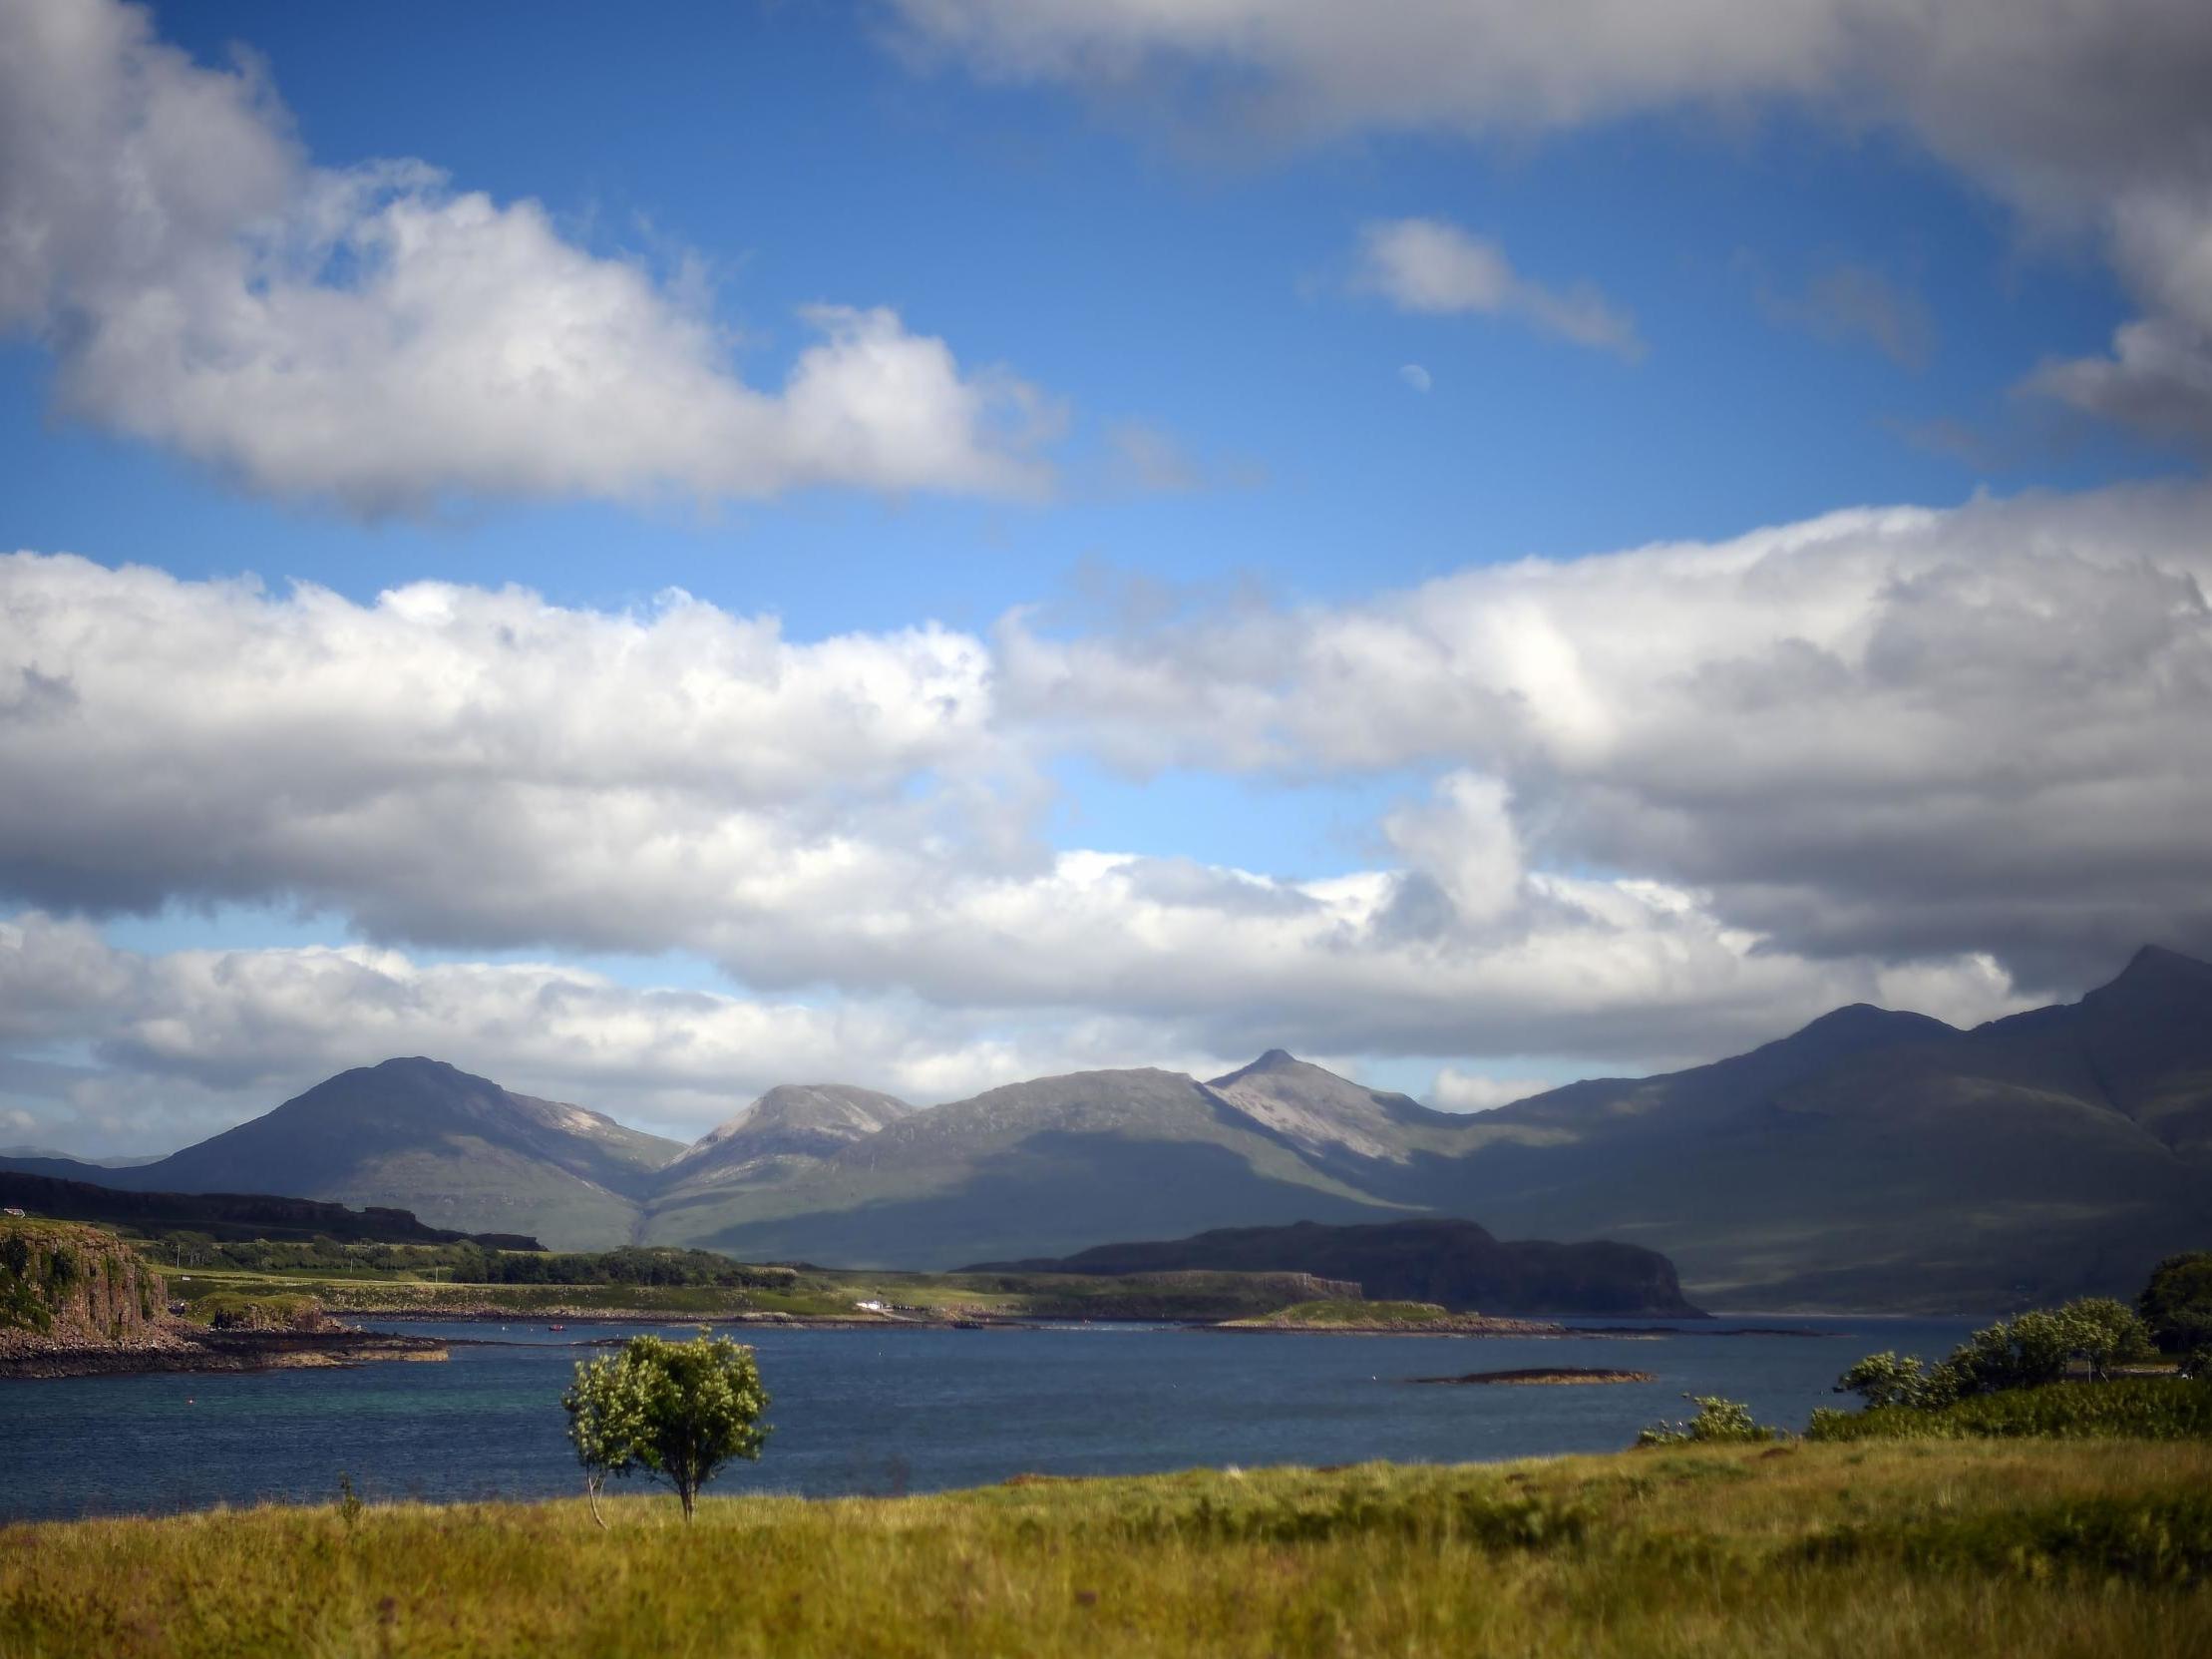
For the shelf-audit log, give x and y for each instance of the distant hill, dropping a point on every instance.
(1888, 1160)
(231, 1215)
(1048, 1166)
(1455, 1264)
(416, 1134)
(1874, 1159)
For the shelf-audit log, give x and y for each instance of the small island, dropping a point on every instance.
(1542, 1377)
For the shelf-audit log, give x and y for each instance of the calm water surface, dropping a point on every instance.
(891, 1411)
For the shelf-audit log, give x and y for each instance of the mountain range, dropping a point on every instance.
(1872, 1160)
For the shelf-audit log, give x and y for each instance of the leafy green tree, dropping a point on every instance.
(2106, 1333)
(679, 1411)
(1887, 1378)
(2177, 1302)
(1718, 1421)
(602, 1425)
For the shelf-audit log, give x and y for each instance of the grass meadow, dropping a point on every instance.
(2024, 1549)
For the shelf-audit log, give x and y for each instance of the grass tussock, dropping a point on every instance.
(2030, 1549)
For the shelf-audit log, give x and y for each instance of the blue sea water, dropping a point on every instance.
(887, 1410)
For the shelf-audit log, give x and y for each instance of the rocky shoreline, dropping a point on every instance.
(215, 1351)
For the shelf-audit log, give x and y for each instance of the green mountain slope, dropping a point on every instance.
(416, 1134)
(791, 1127)
(1039, 1167)
(1887, 1160)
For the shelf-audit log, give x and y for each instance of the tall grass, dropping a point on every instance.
(2030, 1549)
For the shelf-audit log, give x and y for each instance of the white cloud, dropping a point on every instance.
(378, 337)
(1428, 265)
(1685, 795)
(1894, 732)
(1416, 377)
(2085, 116)
(191, 1040)
(1457, 1091)
(1680, 798)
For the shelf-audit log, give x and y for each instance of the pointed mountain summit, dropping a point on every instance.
(790, 1121)
(1328, 1115)
(419, 1134)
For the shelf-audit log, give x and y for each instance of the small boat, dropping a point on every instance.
(556, 1326)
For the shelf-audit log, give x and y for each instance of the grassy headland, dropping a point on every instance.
(409, 1281)
(2029, 1548)
(1367, 1317)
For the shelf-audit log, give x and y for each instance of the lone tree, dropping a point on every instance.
(677, 1410)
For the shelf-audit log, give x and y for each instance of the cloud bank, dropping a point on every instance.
(377, 337)
(1657, 805)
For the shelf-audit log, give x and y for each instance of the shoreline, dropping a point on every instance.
(227, 1350)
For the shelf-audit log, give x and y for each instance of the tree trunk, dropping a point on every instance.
(591, 1494)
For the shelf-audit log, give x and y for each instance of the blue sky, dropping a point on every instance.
(1827, 314)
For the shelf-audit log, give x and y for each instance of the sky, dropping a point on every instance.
(925, 543)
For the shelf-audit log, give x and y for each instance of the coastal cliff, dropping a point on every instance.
(64, 1285)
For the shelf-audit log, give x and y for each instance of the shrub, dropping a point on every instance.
(1718, 1421)
(2024, 1352)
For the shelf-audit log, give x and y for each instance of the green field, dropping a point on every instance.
(1360, 1315)
(2028, 1550)
(407, 1280)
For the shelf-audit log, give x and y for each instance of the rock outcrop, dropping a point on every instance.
(66, 1285)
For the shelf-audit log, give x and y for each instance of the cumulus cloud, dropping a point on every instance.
(223, 1032)
(379, 337)
(2084, 116)
(1428, 265)
(1892, 732)
(1658, 805)
(1681, 796)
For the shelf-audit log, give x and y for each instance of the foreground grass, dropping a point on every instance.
(2029, 1549)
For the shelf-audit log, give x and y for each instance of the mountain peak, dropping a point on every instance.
(1860, 1025)
(791, 1120)
(2156, 966)
(1274, 1059)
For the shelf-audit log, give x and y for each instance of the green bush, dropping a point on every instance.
(1718, 1421)
(2130, 1407)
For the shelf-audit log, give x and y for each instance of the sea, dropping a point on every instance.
(891, 1411)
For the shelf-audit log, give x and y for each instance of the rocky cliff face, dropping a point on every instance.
(63, 1285)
